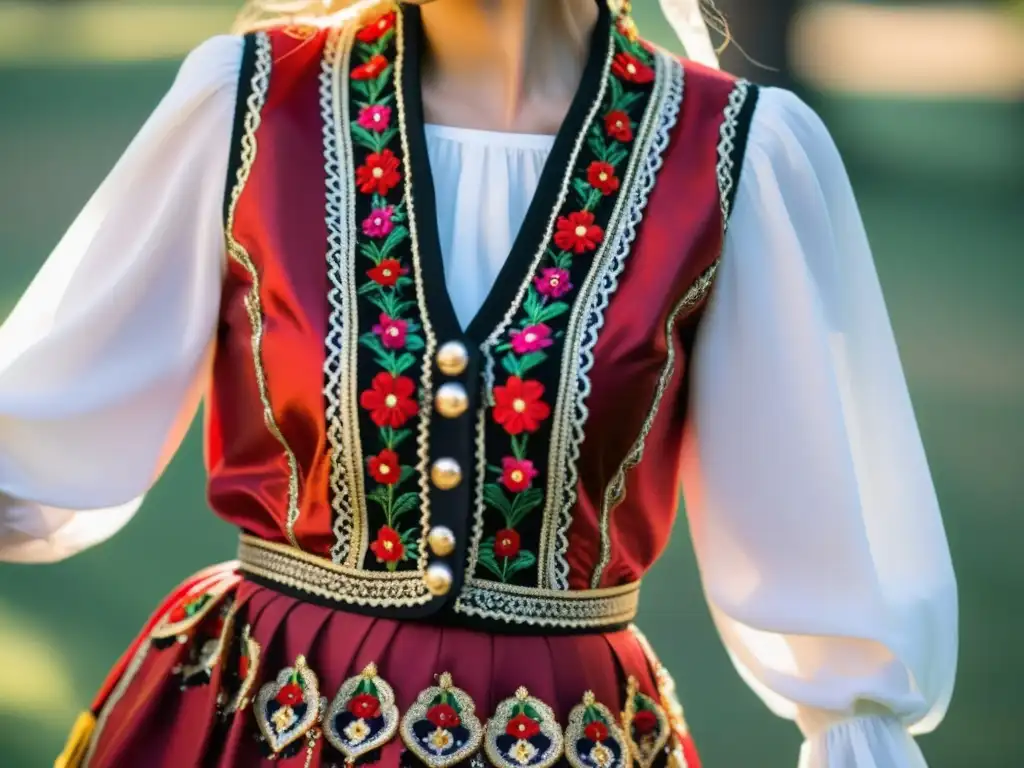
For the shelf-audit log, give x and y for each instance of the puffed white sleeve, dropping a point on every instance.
(814, 516)
(105, 358)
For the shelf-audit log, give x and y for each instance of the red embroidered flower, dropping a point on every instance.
(522, 727)
(618, 126)
(531, 339)
(179, 612)
(290, 695)
(391, 332)
(443, 716)
(388, 547)
(365, 706)
(506, 543)
(384, 467)
(631, 69)
(389, 400)
(517, 474)
(379, 223)
(596, 731)
(601, 176)
(371, 33)
(553, 282)
(387, 272)
(379, 173)
(375, 117)
(370, 69)
(518, 407)
(243, 666)
(578, 233)
(644, 722)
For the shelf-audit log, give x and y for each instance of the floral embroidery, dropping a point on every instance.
(363, 716)
(207, 647)
(289, 708)
(520, 403)
(441, 727)
(593, 739)
(645, 725)
(177, 624)
(523, 732)
(390, 337)
(240, 674)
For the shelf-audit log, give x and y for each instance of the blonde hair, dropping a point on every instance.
(261, 14)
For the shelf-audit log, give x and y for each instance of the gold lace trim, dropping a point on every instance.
(291, 567)
(253, 304)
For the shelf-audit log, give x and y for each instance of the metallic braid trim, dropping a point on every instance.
(342, 332)
(581, 609)
(585, 323)
(289, 567)
(426, 389)
(253, 306)
(725, 169)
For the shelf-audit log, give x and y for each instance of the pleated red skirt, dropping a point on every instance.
(234, 674)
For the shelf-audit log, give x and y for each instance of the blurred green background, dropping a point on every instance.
(940, 177)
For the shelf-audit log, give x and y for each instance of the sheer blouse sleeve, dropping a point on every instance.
(813, 512)
(105, 358)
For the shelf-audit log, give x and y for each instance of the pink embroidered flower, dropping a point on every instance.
(517, 474)
(379, 223)
(553, 282)
(391, 331)
(375, 118)
(531, 339)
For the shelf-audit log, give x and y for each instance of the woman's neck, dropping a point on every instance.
(509, 65)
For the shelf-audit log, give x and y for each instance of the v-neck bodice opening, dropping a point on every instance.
(530, 238)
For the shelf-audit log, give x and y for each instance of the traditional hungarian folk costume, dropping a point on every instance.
(453, 381)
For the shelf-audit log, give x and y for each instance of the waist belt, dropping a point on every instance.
(480, 604)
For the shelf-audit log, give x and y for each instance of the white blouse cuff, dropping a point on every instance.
(873, 741)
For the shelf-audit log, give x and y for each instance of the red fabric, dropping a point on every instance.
(681, 235)
(155, 724)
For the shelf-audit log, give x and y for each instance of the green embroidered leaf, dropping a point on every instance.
(372, 342)
(411, 544)
(395, 237)
(377, 48)
(407, 472)
(563, 260)
(551, 311)
(615, 94)
(523, 561)
(519, 446)
(591, 715)
(511, 364)
(503, 347)
(596, 143)
(370, 250)
(360, 87)
(629, 99)
(532, 304)
(486, 558)
(498, 470)
(394, 437)
(379, 495)
(582, 189)
(593, 200)
(413, 342)
(375, 86)
(370, 287)
(403, 282)
(404, 363)
(617, 155)
(495, 497)
(372, 140)
(529, 361)
(404, 503)
(532, 713)
(523, 504)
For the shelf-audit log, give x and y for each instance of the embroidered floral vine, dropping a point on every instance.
(520, 399)
(390, 401)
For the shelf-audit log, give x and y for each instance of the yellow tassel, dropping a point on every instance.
(77, 743)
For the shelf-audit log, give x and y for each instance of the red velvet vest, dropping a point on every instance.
(377, 456)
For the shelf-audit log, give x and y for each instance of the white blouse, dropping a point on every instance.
(814, 518)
